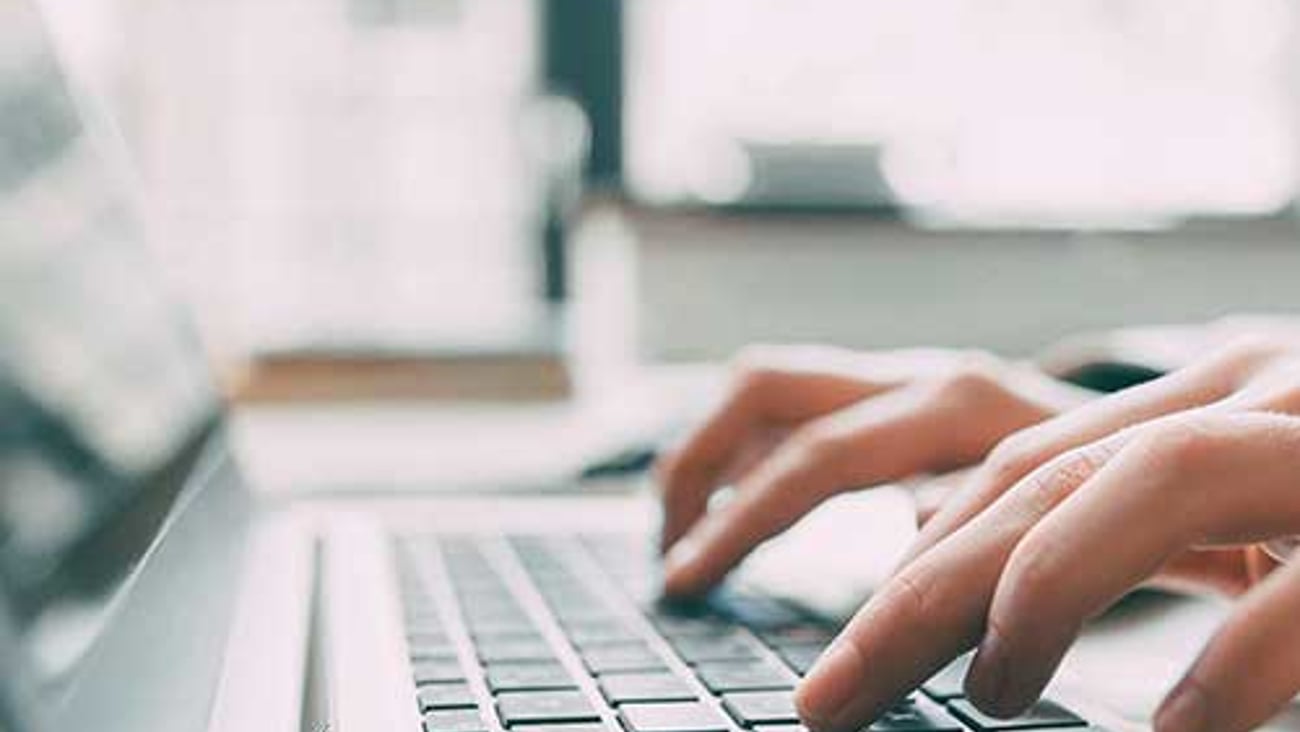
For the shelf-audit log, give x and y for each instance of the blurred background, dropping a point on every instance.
(666, 180)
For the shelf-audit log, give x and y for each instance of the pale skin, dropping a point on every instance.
(1175, 482)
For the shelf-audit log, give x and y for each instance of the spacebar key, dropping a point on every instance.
(676, 717)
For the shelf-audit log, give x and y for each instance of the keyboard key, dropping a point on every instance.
(422, 619)
(761, 707)
(445, 696)
(676, 626)
(574, 599)
(425, 636)
(510, 633)
(600, 634)
(497, 651)
(456, 720)
(479, 584)
(624, 658)
(584, 615)
(482, 628)
(528, 677)
(674, 717)
(799, 635)
(714, 648)
(947, 684)
(436, 671)
(721, 677)
(915, 718)
(579, 727)
(545, 706)
(496, 617)
(800, 657)
(1044, 714)
(754, 611)
(780, 728)
(651, 687)
(430, 646)
(433, 653)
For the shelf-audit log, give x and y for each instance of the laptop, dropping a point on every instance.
(144, 585)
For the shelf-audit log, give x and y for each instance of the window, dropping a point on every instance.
(1129, 112)
(344, 172)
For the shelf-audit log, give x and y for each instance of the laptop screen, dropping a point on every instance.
(104, 397)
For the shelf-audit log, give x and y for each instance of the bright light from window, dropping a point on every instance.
(975, 110)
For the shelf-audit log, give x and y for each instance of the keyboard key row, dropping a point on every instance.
(748, 658)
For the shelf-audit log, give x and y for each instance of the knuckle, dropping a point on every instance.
(1179, 445)
(1034, 574)
(1275, 388)
(1014, 457)
(910, 592)
(1051, 484)
(1240, 356)
(750, 377)
(816, 445)
(759, 358)
(974, 378)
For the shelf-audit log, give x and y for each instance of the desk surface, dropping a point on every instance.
(392, 446)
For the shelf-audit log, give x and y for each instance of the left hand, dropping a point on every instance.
(1066, 517)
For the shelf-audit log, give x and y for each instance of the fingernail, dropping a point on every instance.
(677, 565)
(986, 681)
(830, 685)
(1185, 711)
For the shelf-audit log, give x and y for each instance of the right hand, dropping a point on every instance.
(801, 424)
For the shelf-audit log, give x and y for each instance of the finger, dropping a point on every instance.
(1189, 480)
(1249, 670)
(928, 427)
(878, 440)
(1274, 387)
(932, 610)
(1225, 571)
(1013, 459)
(931, 492)
(761, 397)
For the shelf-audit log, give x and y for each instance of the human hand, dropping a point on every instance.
(1065, 517)
(800, 424)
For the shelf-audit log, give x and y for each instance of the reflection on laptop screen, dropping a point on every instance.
(103, 395)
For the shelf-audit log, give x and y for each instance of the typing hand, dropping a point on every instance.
(1178, 477)
(800, 424)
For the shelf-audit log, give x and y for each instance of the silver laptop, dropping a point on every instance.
(143, 586)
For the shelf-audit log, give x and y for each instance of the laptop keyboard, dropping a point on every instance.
(563, 634)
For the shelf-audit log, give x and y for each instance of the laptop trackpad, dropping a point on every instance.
(854, 540)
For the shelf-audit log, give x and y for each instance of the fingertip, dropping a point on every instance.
(668, 538)
(681, 575)
(1002, 708)
(824, 698)
(808, 711)
(985, 682)
(1184, 710)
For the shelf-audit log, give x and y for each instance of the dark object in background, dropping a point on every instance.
(583, 60)
(1111, 376)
